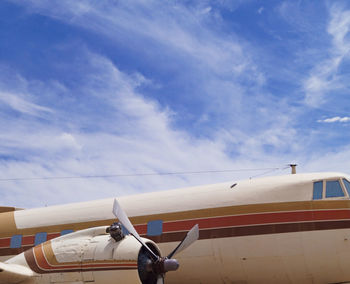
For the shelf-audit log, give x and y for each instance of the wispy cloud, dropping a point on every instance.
(215, 61)
(325, 76)
(219, 67)
(181, 28)
(139, 138)
(17, 103)
(335, 119)
(195, 94)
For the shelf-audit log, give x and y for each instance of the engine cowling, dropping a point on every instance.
(93, 255)
(90, 255)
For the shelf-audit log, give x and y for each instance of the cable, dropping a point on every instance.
(137, 175)
(269, 171)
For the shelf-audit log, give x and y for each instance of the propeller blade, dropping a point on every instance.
(124, 220)
(190, 238)
(160, 279)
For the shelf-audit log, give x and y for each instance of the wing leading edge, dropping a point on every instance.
(14, 273)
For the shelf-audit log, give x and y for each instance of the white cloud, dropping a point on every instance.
(110, 127)
(18, 103)
(324, 77)
(186, 33)
(69, 141)
(337, 160)
(175, 25)
(339, 28)
(135, 136)
(335, 119)
(218, 64)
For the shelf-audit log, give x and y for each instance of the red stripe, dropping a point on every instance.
(141, 229)
(257, 219)
(52, 236)
(27, 240)
(5, 242)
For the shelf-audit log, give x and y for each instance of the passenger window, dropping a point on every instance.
(347, 185)
(16, 241)
(318, 189)
(333, 189)
(65, 232)
(155, 228)
(40, 238)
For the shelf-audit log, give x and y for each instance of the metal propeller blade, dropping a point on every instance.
(190, 238)
(124, 220)
(159, 266)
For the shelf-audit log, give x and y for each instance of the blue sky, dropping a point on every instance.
(119, 87)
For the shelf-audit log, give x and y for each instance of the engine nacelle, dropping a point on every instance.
(90, 255)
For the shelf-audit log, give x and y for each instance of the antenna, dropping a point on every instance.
(293, 167)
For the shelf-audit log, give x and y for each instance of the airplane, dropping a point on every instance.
(283, 229)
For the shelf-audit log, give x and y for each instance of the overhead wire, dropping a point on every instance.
(267, 170)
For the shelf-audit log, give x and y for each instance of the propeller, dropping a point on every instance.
(155, 264)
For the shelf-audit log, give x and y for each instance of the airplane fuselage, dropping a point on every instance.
(272, 230)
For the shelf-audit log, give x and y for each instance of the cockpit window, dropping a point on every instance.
(347, 185)
(318, 189)
(333, 189)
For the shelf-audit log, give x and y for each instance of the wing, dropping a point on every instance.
(14, 273)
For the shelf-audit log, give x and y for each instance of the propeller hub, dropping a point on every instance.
(163, 265)
(170, 264)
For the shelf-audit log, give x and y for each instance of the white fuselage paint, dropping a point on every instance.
(298, 258)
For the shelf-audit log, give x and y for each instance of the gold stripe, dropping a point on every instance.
(49, 254)
(8, 229)
(245, 209)
(331, 204)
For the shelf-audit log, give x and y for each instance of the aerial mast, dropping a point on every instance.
(293, 168)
